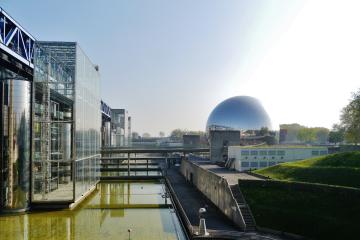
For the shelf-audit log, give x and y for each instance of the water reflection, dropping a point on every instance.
(107, 214)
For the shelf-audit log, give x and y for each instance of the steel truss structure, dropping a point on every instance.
(15, 40)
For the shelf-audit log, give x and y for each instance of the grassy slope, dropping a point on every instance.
(319, 215)
(341, 169)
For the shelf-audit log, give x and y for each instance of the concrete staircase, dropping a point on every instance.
(244, 208)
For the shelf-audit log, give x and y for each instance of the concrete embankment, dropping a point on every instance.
(215, 188)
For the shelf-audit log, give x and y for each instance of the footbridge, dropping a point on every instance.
(120, 163)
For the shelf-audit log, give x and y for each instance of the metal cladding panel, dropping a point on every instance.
(15, 137)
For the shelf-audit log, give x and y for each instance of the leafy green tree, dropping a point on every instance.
(322, 134)
(307, 135)
(291, 131)
(264, 131)
(350, 119)
(177, 133)
(337, 135)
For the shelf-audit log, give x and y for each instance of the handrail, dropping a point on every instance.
(180, 209)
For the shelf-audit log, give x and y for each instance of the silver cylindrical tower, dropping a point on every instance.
(15, 143)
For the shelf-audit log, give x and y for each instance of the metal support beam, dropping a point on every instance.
(129, 165)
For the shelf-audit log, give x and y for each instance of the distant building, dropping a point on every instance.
(243, 158)
(282, 137)
(105, 125)
(191, 140)
(121, 127)
(219, 142)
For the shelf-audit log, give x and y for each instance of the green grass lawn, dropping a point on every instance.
(310, 213)
(342, 169)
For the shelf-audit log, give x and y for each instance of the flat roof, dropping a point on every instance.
(278, 146)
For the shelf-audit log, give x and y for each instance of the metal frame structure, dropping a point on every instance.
(15, 40)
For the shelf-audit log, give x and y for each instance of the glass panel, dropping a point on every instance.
(88, 124)
(53, 124)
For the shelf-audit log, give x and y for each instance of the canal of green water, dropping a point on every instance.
(109, 213)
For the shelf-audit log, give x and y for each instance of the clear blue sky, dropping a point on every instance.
(170, 62)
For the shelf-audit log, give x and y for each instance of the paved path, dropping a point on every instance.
(192, 200)
(231, 176)
(219, 226)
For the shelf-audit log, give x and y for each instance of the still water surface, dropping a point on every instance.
(114, 208)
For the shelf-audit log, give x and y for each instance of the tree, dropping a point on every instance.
(291, 131)
(337, 134)
(178, 133)
(350, 119)
(146, 135)
(307, 135)
(161, 134)
(322, 135)
(264, 131)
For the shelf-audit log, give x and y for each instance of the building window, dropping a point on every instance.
(281, 153)
(263, 153)
(272, 163)
(323, 152)
(254, 153)
(245, 164)
(272, 152)
(254, 164)
(263, 164)
(315, 153)
(245, 153)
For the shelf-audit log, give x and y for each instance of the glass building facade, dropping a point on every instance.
(50, 130)
(86, 124)
(52, 165)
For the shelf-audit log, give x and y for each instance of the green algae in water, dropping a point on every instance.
(101, 217)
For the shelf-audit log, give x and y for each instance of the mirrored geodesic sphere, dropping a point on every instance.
(239, 113)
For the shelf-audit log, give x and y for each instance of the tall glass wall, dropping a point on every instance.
(15, 139)
(53, 123)
(88, 124)
(86, 114)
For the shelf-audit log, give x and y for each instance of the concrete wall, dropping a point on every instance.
(219, 141)
(215, 188)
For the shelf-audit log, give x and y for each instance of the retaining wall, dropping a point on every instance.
(215, 188)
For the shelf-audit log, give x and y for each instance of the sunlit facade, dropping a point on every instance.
(79, 131)
(50, 114)
(242, 158)
(16, 74)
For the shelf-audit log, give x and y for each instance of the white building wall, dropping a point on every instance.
(245, 158)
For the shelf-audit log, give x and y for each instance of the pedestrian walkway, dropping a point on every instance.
(218, 225)
(192, 200)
